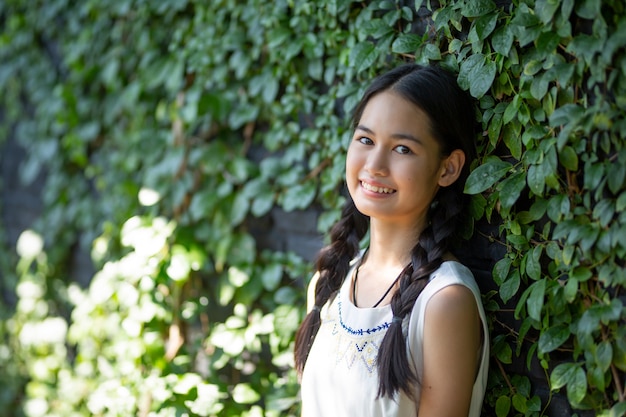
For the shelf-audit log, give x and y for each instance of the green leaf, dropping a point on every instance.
(588, 9)
(270, 87)
(244, 394)
(237, 277)
(571, 289)
(477, 74)
(511, 188)
(539, 86)
(553, 338)
(581, 273)
(620, 204)
(535, 299)
(589, 322)
(545, 10)
(503, 405)
(512, 137)
(243, 114)
(548, 42)
(558, 207)
(271, 276)
(213, 104)
(594, 174)
(519, 241)
(595, 378)
(315, 70)
(533, 67)
(502, 40)
(534, 404)
(533, 265)
(299, 196)
(501, 270)
(377, 28)
(431, 52)
(563, 374)
(569, 158)
(486, 175)
(243, 250)
(504, 353)
(616, 177)
(363, 55)
(519, 403)
(406, 43)
(613, 311)
(477, 8)
(538, 209)
(262, 203)
(186, 382)
(485, 25)
(604, 355)
(239, 209)
(569, 113)
(510, 287)
(277, 37)
(577, 386)
(618, 409)
(209, 401)
(588, 236)
(511, 111)
(536, 179)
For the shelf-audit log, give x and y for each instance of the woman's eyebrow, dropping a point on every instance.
(405, 136)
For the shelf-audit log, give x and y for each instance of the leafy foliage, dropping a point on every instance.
(166, 129)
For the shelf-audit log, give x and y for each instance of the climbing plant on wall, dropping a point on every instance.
(166, 129)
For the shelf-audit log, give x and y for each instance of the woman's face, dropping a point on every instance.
(394, 165)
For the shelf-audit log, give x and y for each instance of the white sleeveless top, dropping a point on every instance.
(340, 375)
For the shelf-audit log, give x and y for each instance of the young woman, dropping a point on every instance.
(398, 329)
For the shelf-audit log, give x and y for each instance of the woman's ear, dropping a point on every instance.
(451, 167)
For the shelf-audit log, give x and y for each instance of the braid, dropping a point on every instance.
(333, 264)
(394, 370)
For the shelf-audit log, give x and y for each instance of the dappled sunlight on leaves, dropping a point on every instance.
(166, 132)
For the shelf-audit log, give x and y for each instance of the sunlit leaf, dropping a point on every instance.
(245, 394)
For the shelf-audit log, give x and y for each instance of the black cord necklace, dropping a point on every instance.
(356, 276)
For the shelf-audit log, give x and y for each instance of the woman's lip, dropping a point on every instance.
(376, 187)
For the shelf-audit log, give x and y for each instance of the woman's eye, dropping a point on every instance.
(365, 141)
(401, 149)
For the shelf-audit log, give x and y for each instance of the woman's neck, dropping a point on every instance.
(390, 244)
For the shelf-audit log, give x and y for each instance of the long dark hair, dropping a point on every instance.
(453, 123)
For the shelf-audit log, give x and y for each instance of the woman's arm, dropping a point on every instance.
(452, 340)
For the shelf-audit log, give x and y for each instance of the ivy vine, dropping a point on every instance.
(165, 130)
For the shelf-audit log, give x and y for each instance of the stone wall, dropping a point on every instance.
(21, 204)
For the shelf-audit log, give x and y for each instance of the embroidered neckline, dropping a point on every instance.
(359, 332)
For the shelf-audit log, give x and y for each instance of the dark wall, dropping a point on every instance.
(21, 204)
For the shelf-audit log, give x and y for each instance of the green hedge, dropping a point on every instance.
(145, 117)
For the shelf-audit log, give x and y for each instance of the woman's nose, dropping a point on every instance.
(377, 163)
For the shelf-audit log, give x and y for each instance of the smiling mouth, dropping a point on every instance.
(375, 189)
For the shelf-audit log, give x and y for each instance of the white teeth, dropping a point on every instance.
(376, 189)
